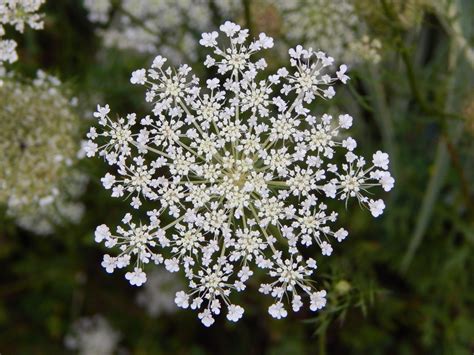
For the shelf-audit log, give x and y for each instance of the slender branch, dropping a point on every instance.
(429, 201)
(412, 81)
(383, 117)
(455, 158)
(248, 16)
(322, 342)
(139, 22)
(359, 98)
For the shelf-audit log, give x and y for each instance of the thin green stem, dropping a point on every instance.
(429, 201)
(248, 16)
(168, 226)
(359, 98)
(322, 343)
(383, 117)
(412, 80)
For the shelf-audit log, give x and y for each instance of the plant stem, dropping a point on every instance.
(441, 166)
(420, 99)
(429, 200)
(417, 93)
(248, 16)
(322, 343)
(383, 117)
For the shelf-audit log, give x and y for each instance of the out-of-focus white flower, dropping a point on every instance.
(367, 49)
(169, 26)
(158, 295)
(39, 140)
(8, 51)
(98, 10)
(18, 14)
(92, 336)
(240, 168)
(328, 25)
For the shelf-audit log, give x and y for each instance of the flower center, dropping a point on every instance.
(212, 282)
(140, 178)
(173, 88)
(290, 275)
(189, 240)
(140, 238)
(320, 139)
(239, 179)
(351, 183)
(238, 60)
(208, 112)
(306, 81)
(258, 97)
(121, 135)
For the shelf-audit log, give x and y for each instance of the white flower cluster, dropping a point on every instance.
(98, 10)
(18, 14)
(93, 336)
(332, 26)
(234, 175)
(165, 25)
(39, 140)
(158, 295)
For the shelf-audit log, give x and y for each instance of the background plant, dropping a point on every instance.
(415, 104)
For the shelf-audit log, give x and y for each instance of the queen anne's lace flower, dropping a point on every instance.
(159, 292)
(332, 26)
(39, 140)
(93, 336)
(236, 173)
(18, 14)
(98, 10)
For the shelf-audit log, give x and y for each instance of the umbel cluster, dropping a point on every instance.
(234, 174)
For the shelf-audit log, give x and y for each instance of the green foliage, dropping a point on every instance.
(402, 284)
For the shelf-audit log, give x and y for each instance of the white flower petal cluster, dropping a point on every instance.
(18, 14)
(234, 174)
(39, 140)
(93, 336)
(169, 26)
(98, 10)
(332, 26)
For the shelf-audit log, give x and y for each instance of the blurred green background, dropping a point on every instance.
(401, 284)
